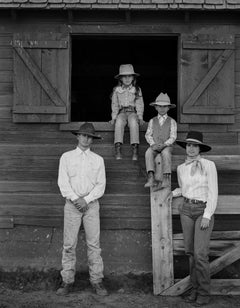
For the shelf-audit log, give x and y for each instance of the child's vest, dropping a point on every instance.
(161, 133)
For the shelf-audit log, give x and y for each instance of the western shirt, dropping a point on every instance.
(126, 97)
(173, 130)
(200, 186)
(81, 174)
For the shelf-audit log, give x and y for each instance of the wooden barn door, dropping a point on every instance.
(41, 78)
(207, 79)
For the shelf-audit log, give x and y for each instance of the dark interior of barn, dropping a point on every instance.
(96, 60)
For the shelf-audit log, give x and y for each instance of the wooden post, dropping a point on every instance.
(162, 247)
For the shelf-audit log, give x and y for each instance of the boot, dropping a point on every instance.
(166, 180)
(151, 180)
(64, 289)
(118, 154)
(135, 151)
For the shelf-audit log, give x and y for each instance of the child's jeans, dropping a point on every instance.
(131, 119)
(196, 242)
(166, 155)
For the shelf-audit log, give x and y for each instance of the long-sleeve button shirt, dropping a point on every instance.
(126, 97)
(173, 130)
(81, 174)
(200, 186)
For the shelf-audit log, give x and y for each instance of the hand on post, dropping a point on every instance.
(141, 122)
(112, 122)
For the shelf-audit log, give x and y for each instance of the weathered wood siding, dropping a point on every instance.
(30, 153)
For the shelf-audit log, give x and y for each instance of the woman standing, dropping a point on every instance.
(197, 179)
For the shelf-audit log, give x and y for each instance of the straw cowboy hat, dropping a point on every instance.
(126, 69)
(163, 100)
(87, 129)
(194, 137)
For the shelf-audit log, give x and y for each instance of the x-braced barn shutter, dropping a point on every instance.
(41, 78)
(207, 79)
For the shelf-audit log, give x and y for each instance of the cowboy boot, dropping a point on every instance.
(166, 180)
(135, 151)
(151, 180)
(118, 154)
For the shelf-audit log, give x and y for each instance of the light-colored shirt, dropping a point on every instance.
(125, 97)
(199, 186)
(81, 174)
(173, 130)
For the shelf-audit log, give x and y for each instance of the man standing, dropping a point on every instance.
(82, 182)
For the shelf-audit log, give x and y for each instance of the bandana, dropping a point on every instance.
(196, 165)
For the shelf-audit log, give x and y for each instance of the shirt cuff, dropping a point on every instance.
(74, 197)
(207, 215)
(88, 199)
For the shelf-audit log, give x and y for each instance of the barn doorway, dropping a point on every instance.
(96, 60)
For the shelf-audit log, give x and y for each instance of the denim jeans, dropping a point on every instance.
(131, 119)
(72, 223)
(166, 155)
(196, 242)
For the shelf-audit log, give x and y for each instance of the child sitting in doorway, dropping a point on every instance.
(127, 108)
(161, 134)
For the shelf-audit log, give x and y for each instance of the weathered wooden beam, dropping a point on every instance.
(215, 267)
(162, 252)
(40, 109)
(6, 222)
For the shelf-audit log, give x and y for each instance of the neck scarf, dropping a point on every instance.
(196, 165)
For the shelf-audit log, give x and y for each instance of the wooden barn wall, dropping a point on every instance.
(40, 146)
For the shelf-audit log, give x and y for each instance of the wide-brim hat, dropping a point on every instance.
(126, 69)
(163, 100)
(194, 137)
(87, 129)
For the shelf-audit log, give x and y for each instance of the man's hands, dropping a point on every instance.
(204, 223)
(141, 122)
(81, 204)
(158, 147)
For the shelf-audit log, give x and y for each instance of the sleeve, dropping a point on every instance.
(63, 181)
(100, 185)
(115, 105)
(139, 105)
(212, 190)
(177, 192)
(149, 133)
(173, 133)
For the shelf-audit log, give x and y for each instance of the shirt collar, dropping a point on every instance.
(120, 89)
(79, 151)
(162, 117)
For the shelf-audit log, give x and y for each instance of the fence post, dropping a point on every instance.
(162, 242)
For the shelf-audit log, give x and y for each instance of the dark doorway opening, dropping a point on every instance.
(96, 60)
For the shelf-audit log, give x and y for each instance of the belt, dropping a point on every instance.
(127, 109)
(194, 201)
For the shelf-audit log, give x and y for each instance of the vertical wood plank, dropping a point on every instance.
(162, 248)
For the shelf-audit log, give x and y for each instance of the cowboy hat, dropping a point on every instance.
(194, 137)
(87, 129)
(163, 100)
(126, 69)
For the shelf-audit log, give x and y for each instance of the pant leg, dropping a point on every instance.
(120, 124)
(133, 127)
(167, 160)
(91, 222)
(72, 222)
(201, 251)
(188, 227)
(150, 159)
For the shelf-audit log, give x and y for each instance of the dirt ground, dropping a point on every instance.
(20, 291)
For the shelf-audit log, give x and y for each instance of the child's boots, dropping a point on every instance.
(118, 154)
(135, 151)
(151, 180)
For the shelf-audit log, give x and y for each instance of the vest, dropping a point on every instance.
(161, 133)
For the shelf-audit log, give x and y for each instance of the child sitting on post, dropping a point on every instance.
(161, 134)
(127, 108)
